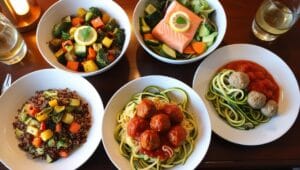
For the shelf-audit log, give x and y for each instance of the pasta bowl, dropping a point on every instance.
(195, 106)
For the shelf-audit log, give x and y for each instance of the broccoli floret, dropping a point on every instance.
(95, 11)
(101, 58)
(119, 38)
(111, 25)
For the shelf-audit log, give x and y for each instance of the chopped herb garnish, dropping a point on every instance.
(85, 33)
(181, 20)
(65, 35)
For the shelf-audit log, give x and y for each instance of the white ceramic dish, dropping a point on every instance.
(63, 8)
(121, 98)
(288, 99)
(219, 18)
(25, 87)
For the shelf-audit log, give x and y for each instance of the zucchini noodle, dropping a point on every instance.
(130, 148)
(231, 103)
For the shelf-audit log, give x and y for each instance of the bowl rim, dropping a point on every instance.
(97, 139)
(84, 74)
(208, 131)
(216, 44)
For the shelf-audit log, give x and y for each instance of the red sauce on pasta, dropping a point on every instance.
(260, 79)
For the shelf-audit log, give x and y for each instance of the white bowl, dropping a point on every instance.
(289, 95)
(25, 87)
(123, 96)
(63, 8)
(219, 17)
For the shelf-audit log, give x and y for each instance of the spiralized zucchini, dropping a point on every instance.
(129, 148)
(231, 103)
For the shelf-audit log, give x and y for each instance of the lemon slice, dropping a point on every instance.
(85, 35)
(180, 21)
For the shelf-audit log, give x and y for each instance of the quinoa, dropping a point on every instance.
(63, 140)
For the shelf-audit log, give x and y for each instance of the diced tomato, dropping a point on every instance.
(74, 127)
(77, 21)
(73, 65)
(66, 44)
(97, 23)
(63, 153)
(58, 127)
(111, 58)
(43, 126)
(37, 142)
(32, 110)
(91, 54)
(189, 50)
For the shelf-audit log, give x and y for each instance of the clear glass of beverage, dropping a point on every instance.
(275, 17)
(12, 45)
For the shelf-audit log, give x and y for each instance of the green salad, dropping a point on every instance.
(87, 41)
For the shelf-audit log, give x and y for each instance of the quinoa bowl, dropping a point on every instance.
(30, 89)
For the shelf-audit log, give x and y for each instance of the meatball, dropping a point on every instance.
(256, 99)
(136, 126)
(239, 80)
(270, 109)
(174, 112)
(150, 140)
(146, 108)
(160, 122)
(177, 135)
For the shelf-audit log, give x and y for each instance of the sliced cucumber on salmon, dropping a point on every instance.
(144, 26)
(209, 40)
(168, 51)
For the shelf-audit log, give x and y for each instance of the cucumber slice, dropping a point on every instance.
(59, 53)
(144, 26)
(153, 19)
(152, 42)
(88, 16)
(48, 158)
(67, 19)
(203, 31)
(150, 9)
(80, 50)
(209, 40)
(168, 51)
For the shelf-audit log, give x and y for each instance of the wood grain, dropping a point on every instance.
(282, 153)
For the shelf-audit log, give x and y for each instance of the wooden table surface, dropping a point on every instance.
(282, 153)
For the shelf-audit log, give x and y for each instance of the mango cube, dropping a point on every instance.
(107, 42)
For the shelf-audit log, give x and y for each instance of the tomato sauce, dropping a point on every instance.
(159, 153)
(260, 79)
(145, 130)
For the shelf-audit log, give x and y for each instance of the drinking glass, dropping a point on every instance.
(275, 17)
(12, 45)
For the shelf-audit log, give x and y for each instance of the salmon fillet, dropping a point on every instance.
(176, 40)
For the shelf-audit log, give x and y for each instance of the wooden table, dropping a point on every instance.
(282, 153)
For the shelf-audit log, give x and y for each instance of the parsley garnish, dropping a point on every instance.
(85, 33)
(181, 20)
